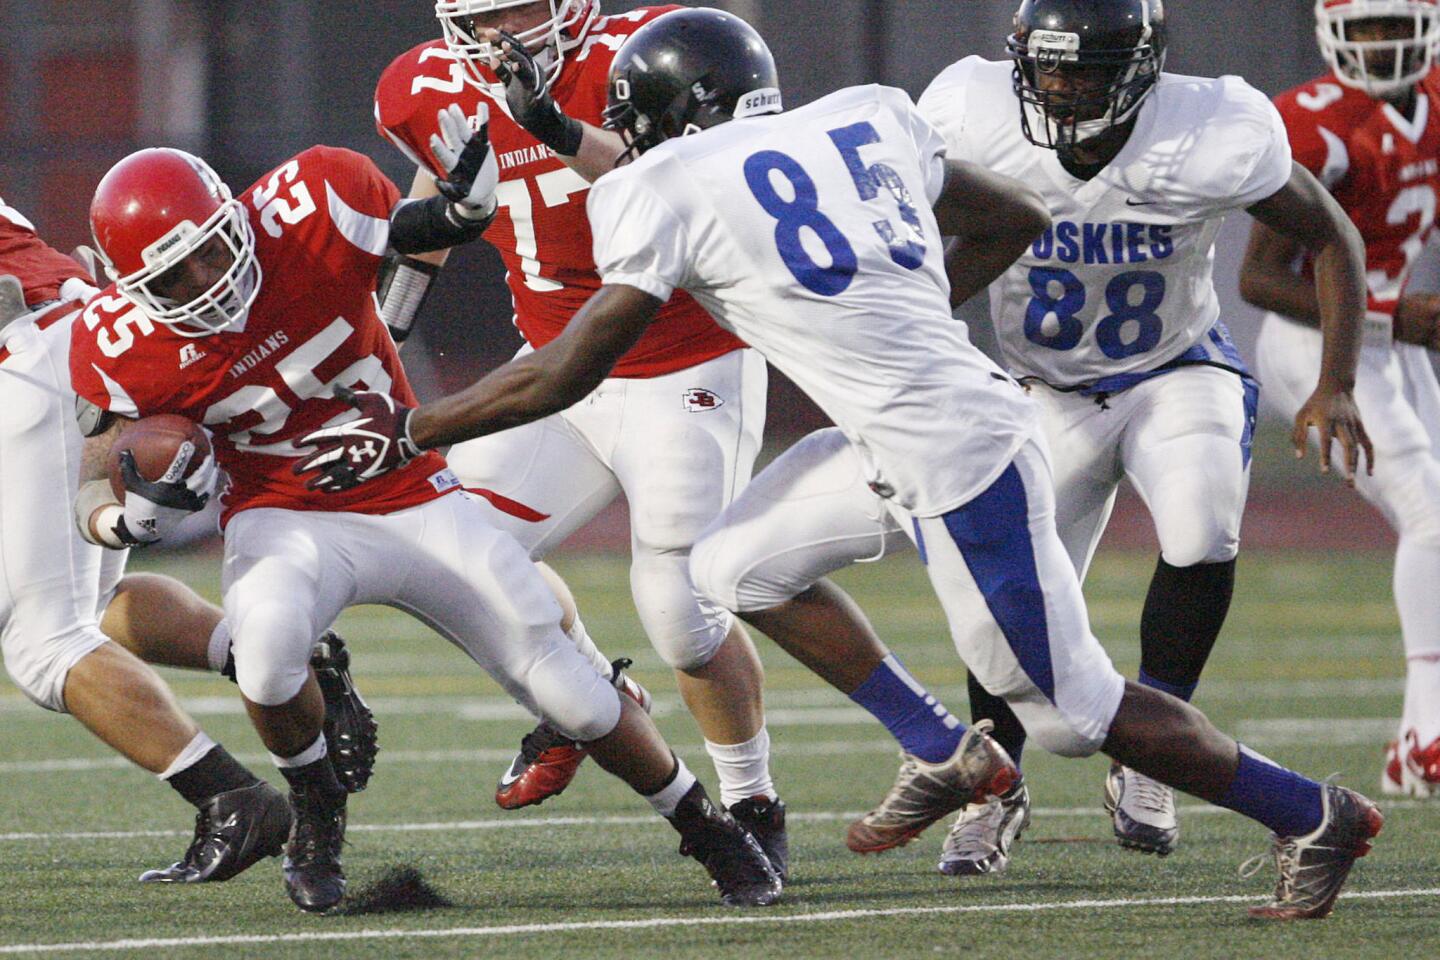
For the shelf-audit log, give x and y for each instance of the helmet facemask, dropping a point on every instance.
(226, 303)
(1383, 67)
(1053, 118)
(549, 42)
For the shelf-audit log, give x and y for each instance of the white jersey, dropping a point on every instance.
(1121, 284)
(810, 235)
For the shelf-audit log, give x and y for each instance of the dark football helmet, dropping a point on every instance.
(1084, 66)
(685, 72)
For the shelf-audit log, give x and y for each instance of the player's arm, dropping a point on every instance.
(993, 218)
(559, 374)
(1304, 213)
(405, 279)
(588, 150)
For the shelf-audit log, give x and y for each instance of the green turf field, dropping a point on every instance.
(1308, 672)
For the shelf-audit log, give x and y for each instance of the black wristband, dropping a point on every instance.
(424, 226)
(554, 129)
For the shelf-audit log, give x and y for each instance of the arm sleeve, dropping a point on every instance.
(639, 239)
(358, 199)
(1271, 163)
(89, 379)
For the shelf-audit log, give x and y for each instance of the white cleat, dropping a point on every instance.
(1143, 811)
(1411, 771)
(979, 841)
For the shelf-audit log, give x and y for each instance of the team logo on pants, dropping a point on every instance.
(698, 400)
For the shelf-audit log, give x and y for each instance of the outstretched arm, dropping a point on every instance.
(1303, 213)
(993, 217)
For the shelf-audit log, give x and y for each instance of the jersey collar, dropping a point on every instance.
(1411, 130)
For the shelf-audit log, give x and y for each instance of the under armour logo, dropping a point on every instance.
(361, 454)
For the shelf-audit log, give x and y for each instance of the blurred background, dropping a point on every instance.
(248, 83)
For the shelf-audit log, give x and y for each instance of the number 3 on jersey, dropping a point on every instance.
(803, 212)
(1112, 336)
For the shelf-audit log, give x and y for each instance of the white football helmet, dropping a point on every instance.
(550, 41)
(1356, 63)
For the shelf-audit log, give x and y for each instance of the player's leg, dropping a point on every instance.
(470, 582)
(50, 585)
(540, 483)
(1186, 450)
(682, 445)
(1018, 617)
(1397, 394)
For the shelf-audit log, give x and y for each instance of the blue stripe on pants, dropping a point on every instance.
(992, 533)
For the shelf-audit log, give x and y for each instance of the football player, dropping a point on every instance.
(1365, 130)
(69, 619)
(266, 301)
(859, 316)
(677, 425)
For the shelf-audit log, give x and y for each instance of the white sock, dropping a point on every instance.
(1422, 698)
(587, 648)
(193, 752)
(743, 768)
(1417, 574)
(309, 755)
(670, 795)
(219, 650)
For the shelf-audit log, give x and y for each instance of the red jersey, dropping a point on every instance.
(1383, 169)
(541, 230)
(40, 268)
(321, 225)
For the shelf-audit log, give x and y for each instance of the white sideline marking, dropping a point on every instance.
(512, 823)
(655, 923)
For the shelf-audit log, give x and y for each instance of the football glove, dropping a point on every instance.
(154, 508)
(471, 171)
(529, 98)
(348, 454)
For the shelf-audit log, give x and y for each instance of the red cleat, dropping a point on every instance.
(1314, 867)
(1411, 770)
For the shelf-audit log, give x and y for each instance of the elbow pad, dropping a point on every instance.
(424, 226)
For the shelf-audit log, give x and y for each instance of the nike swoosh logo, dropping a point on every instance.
(1140, 203)
(506, 779)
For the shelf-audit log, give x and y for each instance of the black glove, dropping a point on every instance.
(529, 98)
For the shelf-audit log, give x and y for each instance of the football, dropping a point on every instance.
(155, 441)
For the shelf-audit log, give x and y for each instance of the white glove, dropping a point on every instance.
(154, 508)
(472, 173)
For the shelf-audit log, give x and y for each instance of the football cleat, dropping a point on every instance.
(979, 841)
(1143, 811)
(233, 831)
(314, 878)
(548, 760)
(765, 819)
(1313, 868)
(1409, 770)
(924, 792)
(351, 734)
(726, 850)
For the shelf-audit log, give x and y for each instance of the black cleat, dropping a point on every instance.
(726, 850)
(765, 819)
(233, 831)
(351, 739)
(313, 875)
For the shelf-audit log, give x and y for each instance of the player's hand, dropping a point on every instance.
(154, 508)
(350, 453)
(1417, 320)
(528, 96)
(1333, 412)
(471, 171)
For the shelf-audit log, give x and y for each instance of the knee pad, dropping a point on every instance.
(272, 649)
(1205, 536)
(567, 692)
(1414, 502)
(685, 628)
(1049, 729)
(727, 574)
(39, 669)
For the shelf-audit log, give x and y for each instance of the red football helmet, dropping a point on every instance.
(569, 20)
(1379, 67)
(157, 207)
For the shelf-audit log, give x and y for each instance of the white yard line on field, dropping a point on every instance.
(656, 923)
(618, 820)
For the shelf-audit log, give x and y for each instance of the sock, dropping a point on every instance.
(1422, 698)
(923, 726)
(1417, 573)
(1281, 799)
(218, 653)
(743, 768)
(581, 638)
(1184, 611)
(309, 771)
(198, 777)
(1008, 732)
(668, 797)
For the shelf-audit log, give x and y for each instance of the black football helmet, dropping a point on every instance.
(1112, 50)
(687, 71)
